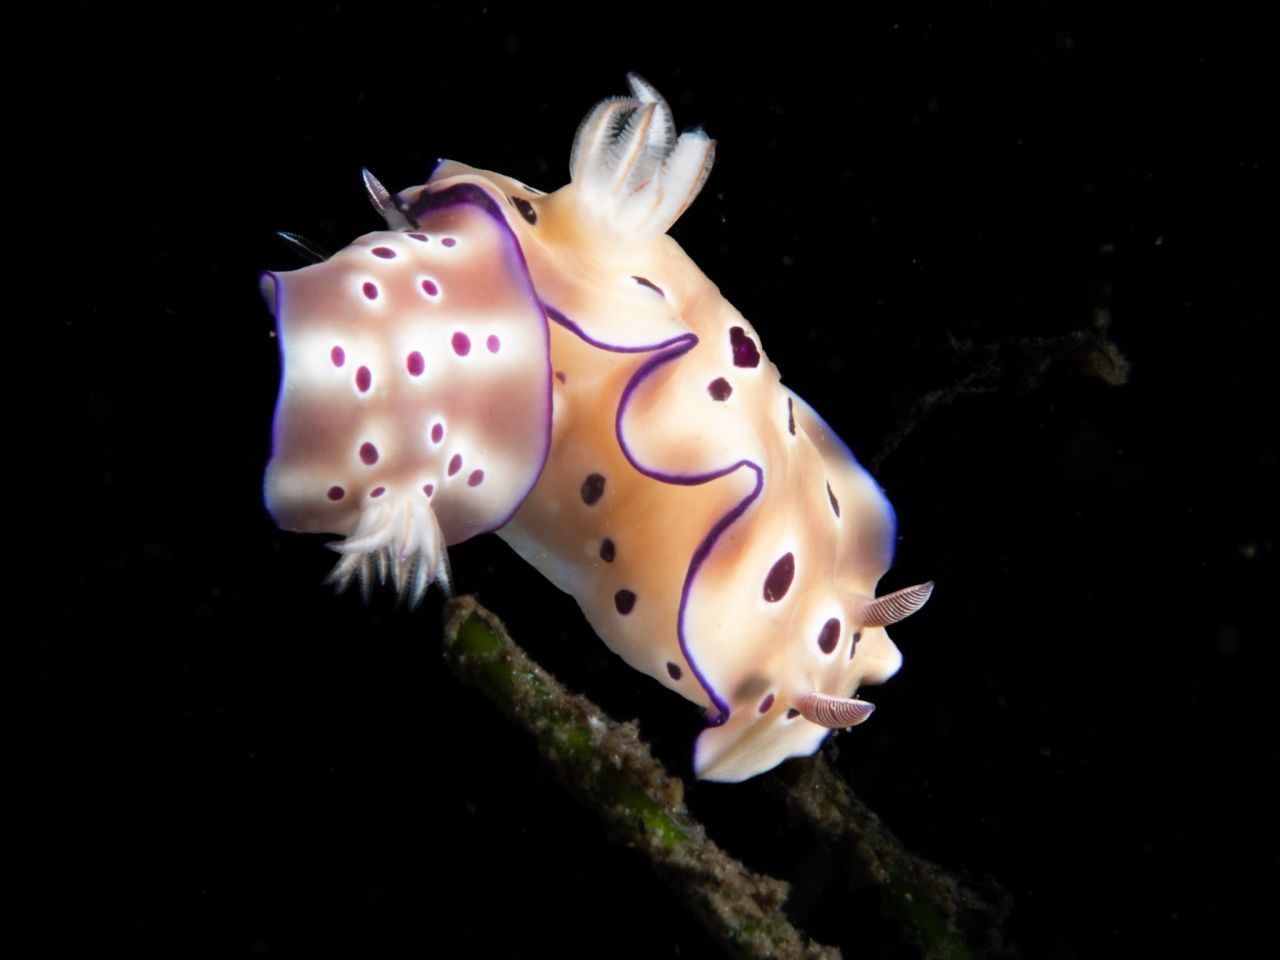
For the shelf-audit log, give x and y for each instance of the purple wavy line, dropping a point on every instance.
(574, 328)
(277, 417)
(670, 350)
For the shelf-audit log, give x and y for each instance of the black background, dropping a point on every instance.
(221, 758)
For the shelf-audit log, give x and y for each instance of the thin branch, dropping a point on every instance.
(946, 919)
(609, 769)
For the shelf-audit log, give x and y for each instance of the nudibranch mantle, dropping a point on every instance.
(553, 367)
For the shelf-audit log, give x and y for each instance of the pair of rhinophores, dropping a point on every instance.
(554, 368)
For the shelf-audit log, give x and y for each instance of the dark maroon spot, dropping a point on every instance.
(719, 388)
(792, 713)
(449, 241)
(560, 376)
(368, 453)
(420, 237)
(592, 488)
(461, 344)
(429, 288)
(766, 703)
(493, 343)
(650, 284)
(377, 491)
(607, 550)
(476, 478)
(336, 493)
(415, 363)
(854, 646)
(624, 600)
(428, 488)
(674, 671)
(778, 582)
(338, 356)
(835, 504)
(364, 379)
(829, 636)
(455, 464)
(370, 290)
(791, 417)
(745, 352)
(526, 210)
(386, 253)
(437, 432)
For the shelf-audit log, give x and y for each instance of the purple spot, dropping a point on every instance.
(493, 343)
(420, 237)
(336, 493)
(377, 491)
(370, 290)
(430, 289)
(766, 703)
(526, 210)
(364, 379)
(854, 646)
(791, 418)
(368, 453)
(437, 432)
(455, 464)
(829, 636)
(428, 488)
(719, 388)
(415, 363)
(386, 253)
(745, 352)
(476, 478)
(835, 504)
(592, 488)
(607, 550)
(624, 601)
(449, 241)
(338, 356)
(778, 582)
(650, 284)
(792, 713)
(673, 670)
(560, 376)
(461, 344)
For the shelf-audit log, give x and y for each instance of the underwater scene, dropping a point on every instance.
(654, 486)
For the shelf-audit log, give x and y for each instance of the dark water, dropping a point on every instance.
(224, 759)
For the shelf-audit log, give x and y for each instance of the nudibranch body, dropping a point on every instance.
(555, 368)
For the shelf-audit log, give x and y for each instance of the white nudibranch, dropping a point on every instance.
(554, 368)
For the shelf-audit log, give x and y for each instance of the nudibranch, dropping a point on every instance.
(554, 368)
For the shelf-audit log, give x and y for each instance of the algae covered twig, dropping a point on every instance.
(608, 768)
(944, 917)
